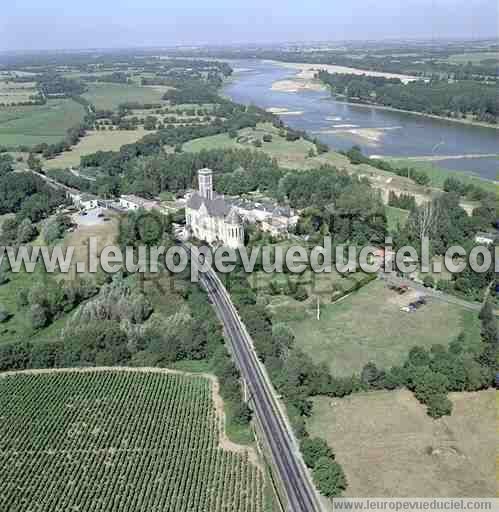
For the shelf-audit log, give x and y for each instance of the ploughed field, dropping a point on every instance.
(118, 440)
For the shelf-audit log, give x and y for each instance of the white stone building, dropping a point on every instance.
(209, 217)
(131, 202)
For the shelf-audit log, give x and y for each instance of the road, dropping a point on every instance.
(287, 462)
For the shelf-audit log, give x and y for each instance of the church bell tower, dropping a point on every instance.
(205, 180)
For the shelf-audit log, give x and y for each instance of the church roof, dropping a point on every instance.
(216, 207)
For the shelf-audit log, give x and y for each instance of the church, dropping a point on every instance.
(210, 218)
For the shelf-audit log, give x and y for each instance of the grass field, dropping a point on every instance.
(288, 154)
(105, 234)
(439, 175)
(92, 142)
(369, 326)
(110, 96)
(18, 327)
(389, 447)
(38, 123)
(120, 440)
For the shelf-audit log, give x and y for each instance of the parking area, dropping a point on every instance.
(93, 217)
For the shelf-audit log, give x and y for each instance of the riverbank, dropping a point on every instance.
(388, 133)
(308, 70)
(305, 80)
(438, 175)
(377, 106)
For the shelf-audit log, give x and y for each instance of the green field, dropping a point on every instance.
(120, 440)
(92, 142)
(288, 154)
(438, 175)
(369, 326)
(18, 326)
(39, 123)
(111, 96)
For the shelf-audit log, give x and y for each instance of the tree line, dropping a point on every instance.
(456, 99)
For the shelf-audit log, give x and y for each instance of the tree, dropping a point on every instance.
(425, 219)
(4, 314)
(314, 448)
(300, 294)
(489, 323)
(372, 377)
(429, 281)
(329, 477)
(38, 316)
(33, 163)
(418, 356)
(428, 384)
(26, 231)
(439, 405)
(242, 414)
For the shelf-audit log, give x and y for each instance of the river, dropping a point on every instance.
(377, 131)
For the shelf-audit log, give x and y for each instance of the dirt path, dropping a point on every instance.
(224, 442)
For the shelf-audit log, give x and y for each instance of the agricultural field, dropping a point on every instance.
(36, 124)
(129, 440)
(14, 92)
(389, 447)
(92, 142)
(110, 96)
(369, 325)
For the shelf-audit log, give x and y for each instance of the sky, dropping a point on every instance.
(59, 24)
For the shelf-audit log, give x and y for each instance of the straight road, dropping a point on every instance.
(300, 492)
